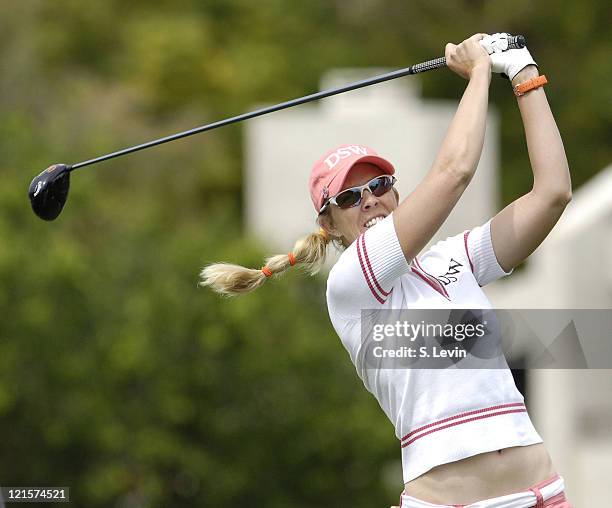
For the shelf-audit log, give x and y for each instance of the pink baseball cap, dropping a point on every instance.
(330, 171)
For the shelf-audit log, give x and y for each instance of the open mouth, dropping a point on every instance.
(373, 220)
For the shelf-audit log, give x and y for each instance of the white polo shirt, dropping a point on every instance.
(440, 415)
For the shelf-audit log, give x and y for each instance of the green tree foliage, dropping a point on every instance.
(118, 377)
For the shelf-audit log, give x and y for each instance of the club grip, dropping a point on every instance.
(516, 41)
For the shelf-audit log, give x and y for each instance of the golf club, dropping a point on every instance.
(48, 192)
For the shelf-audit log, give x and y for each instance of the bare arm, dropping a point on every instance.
(422, 213)
(523, 225)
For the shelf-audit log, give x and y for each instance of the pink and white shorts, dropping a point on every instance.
(547, 494)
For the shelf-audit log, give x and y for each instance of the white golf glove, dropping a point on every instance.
(506, 61)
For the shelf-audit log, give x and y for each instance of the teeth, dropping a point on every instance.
(373, 221)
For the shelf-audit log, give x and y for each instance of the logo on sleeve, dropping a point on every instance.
(449, 276)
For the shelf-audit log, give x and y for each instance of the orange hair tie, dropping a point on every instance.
(266, 271)
(291, 258)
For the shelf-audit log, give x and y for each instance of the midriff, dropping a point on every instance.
(483, 476)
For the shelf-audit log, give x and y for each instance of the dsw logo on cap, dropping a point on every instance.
(343, 153)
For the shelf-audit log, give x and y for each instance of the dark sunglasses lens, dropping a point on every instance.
(348, 198)
(380, 186)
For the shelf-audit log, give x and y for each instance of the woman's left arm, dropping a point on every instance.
(523, 225)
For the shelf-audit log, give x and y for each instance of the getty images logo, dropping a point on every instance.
(343, 153)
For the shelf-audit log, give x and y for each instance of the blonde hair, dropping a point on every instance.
(230, 280)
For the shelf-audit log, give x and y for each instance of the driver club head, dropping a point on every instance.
(49, 190)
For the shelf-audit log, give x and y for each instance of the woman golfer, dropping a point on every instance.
(465, 436)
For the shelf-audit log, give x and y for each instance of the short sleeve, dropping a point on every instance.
(364, 276)
(480, 254)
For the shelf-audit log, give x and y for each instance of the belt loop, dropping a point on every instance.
(539, 498)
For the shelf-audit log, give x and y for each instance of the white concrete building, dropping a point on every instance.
(390, 117)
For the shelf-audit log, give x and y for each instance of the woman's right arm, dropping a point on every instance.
(422, 213)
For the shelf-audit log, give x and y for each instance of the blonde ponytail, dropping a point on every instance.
(231, 280)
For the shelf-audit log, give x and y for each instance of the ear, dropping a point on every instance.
(327, 223)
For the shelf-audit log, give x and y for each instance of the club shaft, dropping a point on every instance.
(425, 66)
(517, 42)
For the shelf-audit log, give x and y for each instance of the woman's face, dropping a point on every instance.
(351, 222)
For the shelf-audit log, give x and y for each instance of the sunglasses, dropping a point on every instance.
(353, 196)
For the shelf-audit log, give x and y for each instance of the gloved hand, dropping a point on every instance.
(506, 62)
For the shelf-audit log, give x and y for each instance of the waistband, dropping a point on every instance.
(534, 496)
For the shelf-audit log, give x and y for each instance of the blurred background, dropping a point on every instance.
(123, 380)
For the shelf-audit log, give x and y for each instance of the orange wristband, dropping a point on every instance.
(532, 84)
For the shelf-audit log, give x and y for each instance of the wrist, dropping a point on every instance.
(481, 70)
(529, 72)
